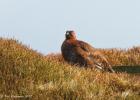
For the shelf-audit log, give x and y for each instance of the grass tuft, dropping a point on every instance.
(24, 71)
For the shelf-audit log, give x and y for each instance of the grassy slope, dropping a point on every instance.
(26, 72)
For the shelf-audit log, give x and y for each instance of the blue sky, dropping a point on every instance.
(41, 24)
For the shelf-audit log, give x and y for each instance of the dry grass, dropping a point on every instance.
(26, 72)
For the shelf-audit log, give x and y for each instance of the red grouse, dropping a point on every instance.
(78, 52)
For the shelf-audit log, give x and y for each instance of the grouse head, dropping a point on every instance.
(70, 35)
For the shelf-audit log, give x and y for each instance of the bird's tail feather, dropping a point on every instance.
(101, 67)
(110, 69)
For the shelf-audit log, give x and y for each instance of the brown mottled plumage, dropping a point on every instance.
(82, 53)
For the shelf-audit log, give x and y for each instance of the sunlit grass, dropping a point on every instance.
(23, 72)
